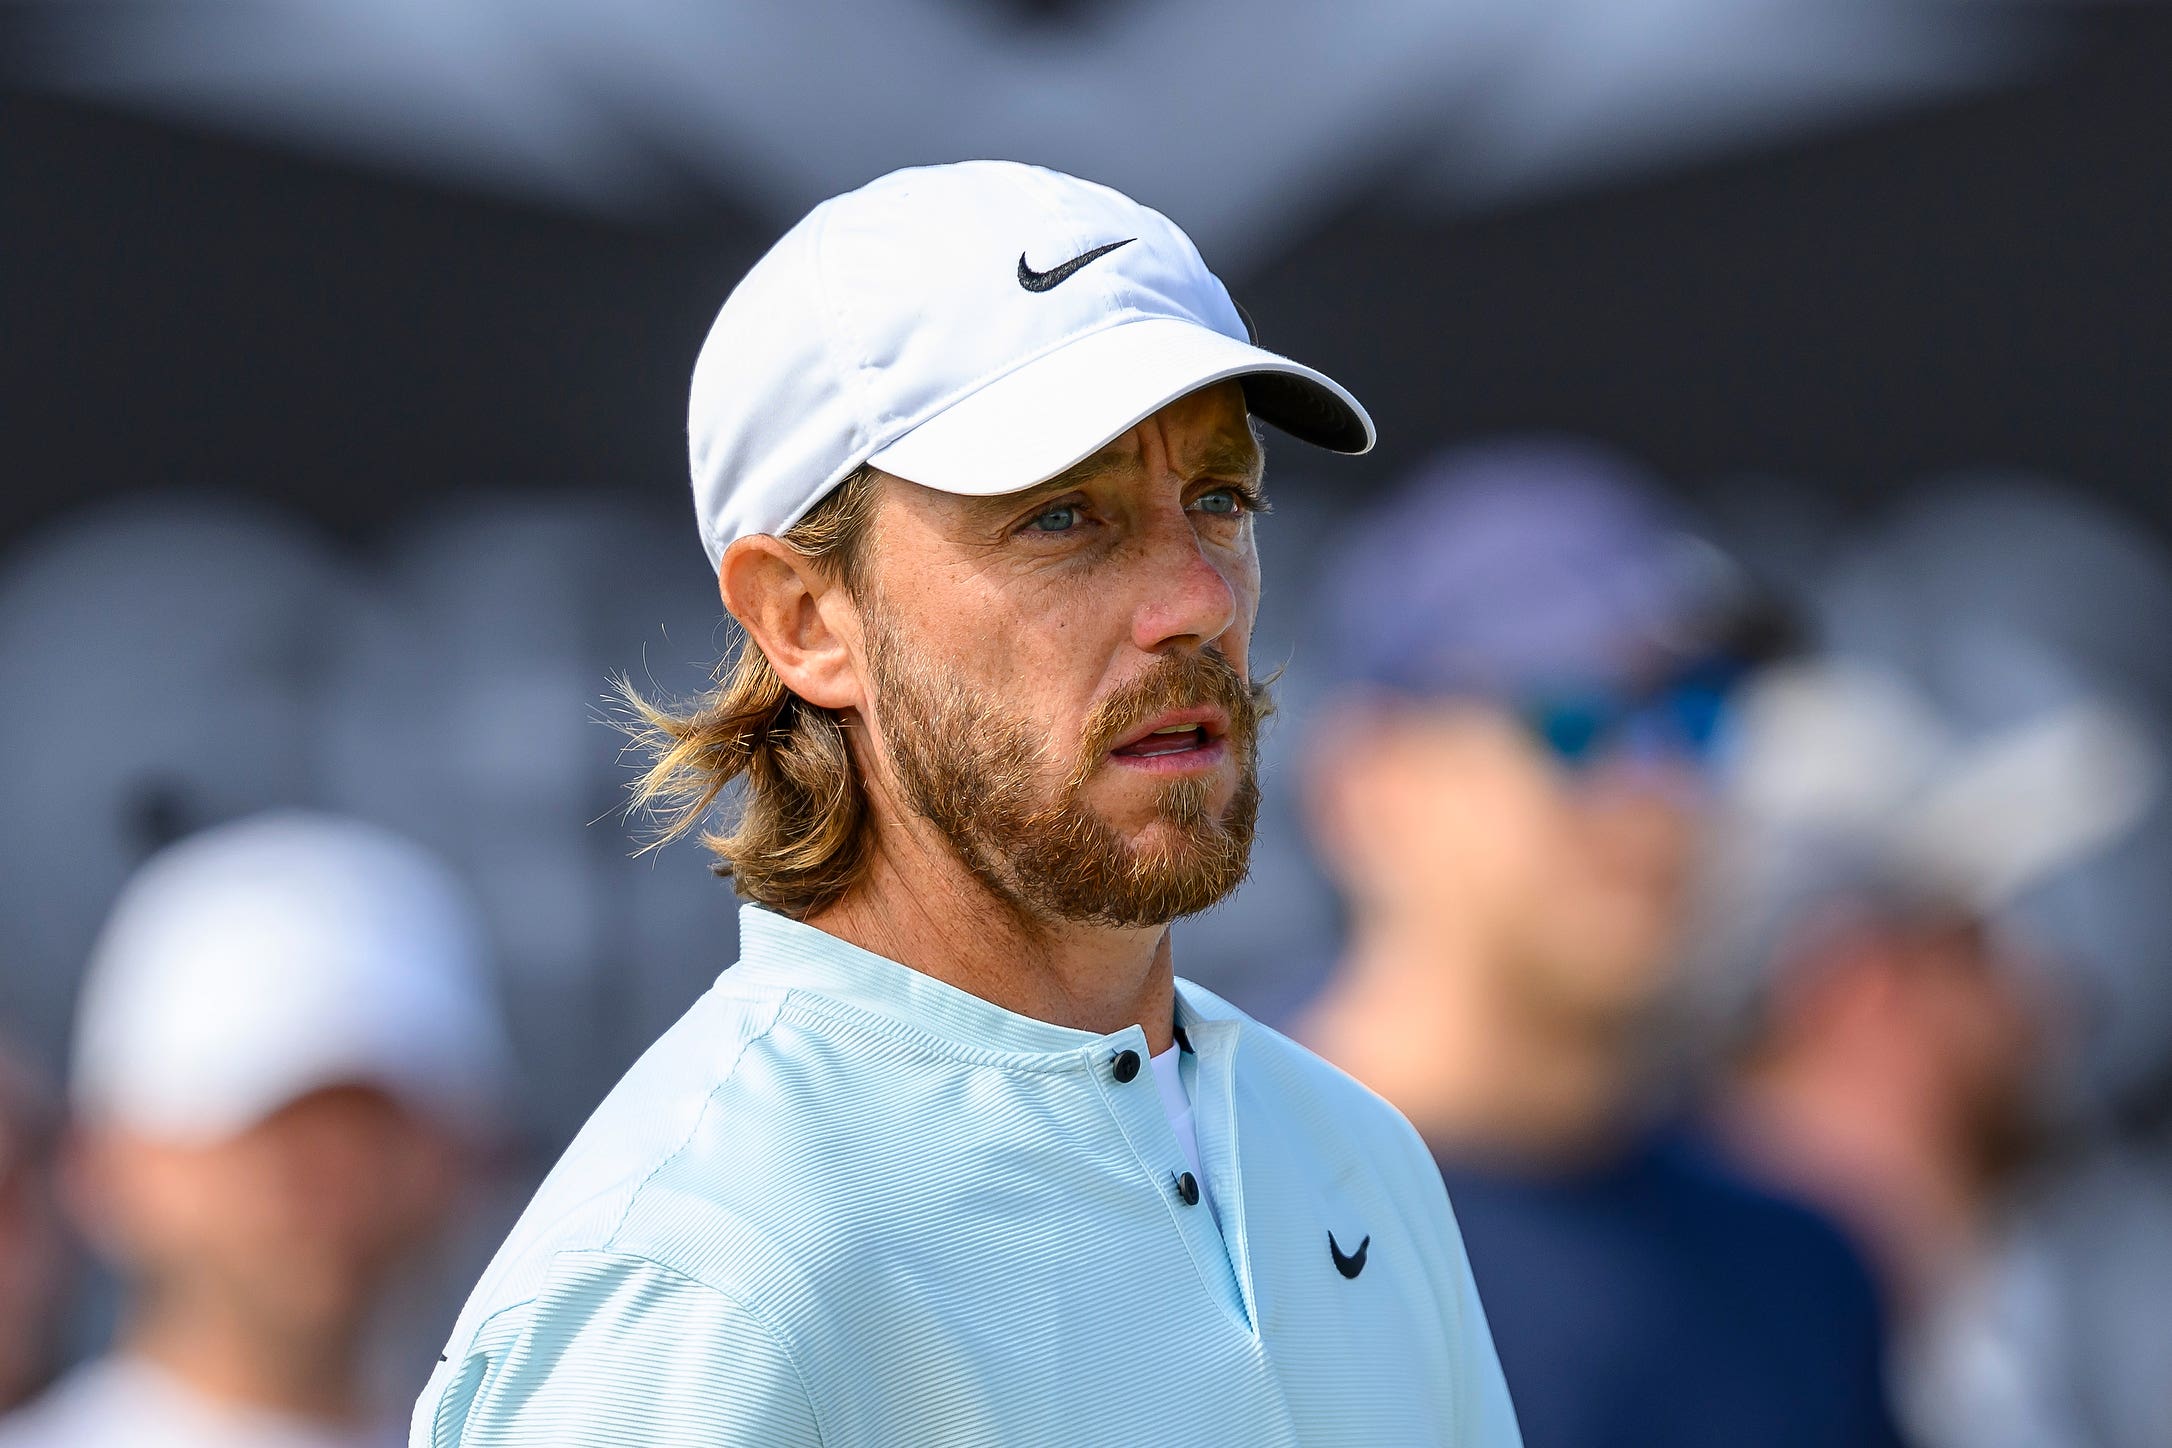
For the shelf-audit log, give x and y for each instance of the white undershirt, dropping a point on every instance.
(1176, 1104)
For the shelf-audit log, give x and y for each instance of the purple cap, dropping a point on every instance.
(1521, 566)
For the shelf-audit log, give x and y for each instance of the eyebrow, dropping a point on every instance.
(1243, 459)
(1002, 504)
(1111, 459)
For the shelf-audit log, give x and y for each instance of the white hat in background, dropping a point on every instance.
(1847, 787)
(975, 328)
(256, 962)
(1851, 753)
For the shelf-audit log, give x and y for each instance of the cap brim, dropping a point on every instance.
(1032, 423)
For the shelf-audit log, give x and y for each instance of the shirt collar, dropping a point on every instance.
(777, 950)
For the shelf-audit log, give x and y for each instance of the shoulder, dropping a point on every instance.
(614, 1345)
(1765, 1233)
(1699, 1174)
(631, 1151)
(627, 1304)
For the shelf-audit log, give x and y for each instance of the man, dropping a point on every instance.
(282, 1056)
(1904, 1024)
(1895, 1037)
(1539, 664)
(950, 1156)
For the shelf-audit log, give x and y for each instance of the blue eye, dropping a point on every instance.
(1059, 519)
(1222, 502)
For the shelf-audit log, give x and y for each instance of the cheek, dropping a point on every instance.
(208, 1209)
(1243, 574)
(1429, 817)
(1499, 816)
(1039, 658)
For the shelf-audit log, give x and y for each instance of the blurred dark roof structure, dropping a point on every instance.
(1955, 276)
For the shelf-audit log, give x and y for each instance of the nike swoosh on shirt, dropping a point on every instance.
(1354, 1263)
(1041, 281)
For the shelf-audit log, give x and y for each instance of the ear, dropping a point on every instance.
(803, 622)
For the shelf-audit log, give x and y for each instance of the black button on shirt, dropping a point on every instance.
(1188, 1188)
(1127, 1065)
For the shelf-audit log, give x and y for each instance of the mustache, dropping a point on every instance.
(1175, 681)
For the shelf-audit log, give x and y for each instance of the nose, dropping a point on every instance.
(1189, 600)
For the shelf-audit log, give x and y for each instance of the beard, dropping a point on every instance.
(1014, 811)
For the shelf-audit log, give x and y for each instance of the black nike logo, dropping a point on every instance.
(1035, 281)
(1353, 1264)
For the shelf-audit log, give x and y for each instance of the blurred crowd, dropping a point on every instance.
(1761, 913)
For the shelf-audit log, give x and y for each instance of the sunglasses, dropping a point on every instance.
(1682, 717)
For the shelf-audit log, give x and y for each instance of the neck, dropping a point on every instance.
(226, 1355)
(920, 906)
(1424, 1017)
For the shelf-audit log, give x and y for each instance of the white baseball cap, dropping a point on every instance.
(975, 328)
(256, 962)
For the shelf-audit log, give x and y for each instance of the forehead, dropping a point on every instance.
(1207, 431)
(1205, 434)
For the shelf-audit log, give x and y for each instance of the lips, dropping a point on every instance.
(1175, 742)
(1182, 731)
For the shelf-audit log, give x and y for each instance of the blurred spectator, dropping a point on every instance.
(33, 1253)
(1510, 795)
(1911, 1027)
(1896, 1045)
(443, 683)
(283, 1060)
(231, 618)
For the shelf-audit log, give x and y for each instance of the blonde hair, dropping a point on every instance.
(800, 838)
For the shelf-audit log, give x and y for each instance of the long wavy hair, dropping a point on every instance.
(799, 836)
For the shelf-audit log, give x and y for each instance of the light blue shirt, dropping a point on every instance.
(841, 1202)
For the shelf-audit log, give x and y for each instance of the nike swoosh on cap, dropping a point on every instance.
(1041, 281)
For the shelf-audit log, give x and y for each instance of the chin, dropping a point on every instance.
(1133, 807)
(1158, 839)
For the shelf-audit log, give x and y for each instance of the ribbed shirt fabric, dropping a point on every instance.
(841, 1202)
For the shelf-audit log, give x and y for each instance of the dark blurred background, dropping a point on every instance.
(1876, 241)
(345, 348)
